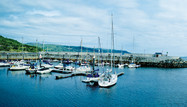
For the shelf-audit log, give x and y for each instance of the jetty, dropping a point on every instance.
(71, 75)
(79, 74)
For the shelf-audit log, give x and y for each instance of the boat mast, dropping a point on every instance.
(112, 40)
(22, 49)
(98, 49)
(43, 50)
(81, 50)
(36, 50)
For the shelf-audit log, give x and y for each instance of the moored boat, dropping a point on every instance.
(4, 64)
(43, 70)
(107, 79)
(18, 67)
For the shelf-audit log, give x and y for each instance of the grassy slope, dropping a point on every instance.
(12, 45)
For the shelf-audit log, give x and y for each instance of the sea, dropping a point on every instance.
(137, 87)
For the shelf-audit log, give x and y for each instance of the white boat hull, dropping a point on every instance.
(18, 68)
(108, 83)
(91, 79)
(47, 66)
(4, 64)
(44, 71)
(83, 69)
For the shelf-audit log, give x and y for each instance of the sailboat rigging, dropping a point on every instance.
(108, 78)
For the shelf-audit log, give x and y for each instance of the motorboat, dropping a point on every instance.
(59, 66)
(4, 64)
(18, 67)
(133, 65)
(43, 70)
(120, 65)
(69, 68)
(47, 66)
(83, 69)
(31, 70)
(91, 78)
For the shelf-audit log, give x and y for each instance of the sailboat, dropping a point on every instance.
(43, 70)
(108, 78)
(68, 67)
(133, 64)
(120, 65)
(21, 64)
(83, 68)
(94, 76)
(33, 67)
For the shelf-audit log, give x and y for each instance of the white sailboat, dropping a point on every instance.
(108, 78)
(93, 77)
(133, 64)
(43, 70)
(120, 65)
(32, 69)
(84, 68)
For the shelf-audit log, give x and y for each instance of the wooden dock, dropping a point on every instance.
(71, 75)
(79, 74)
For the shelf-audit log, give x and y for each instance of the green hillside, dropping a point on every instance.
(11, 45)
(61, 48)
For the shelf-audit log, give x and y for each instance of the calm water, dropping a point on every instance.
(137, 87)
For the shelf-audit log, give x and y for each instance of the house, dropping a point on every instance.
(157, 54)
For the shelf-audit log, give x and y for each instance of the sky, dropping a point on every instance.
(140, 26)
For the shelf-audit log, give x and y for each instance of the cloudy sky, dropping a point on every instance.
(155, 25)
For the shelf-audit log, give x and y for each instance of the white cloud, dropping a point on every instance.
(44, 13)
(173, 10)
(68, 21)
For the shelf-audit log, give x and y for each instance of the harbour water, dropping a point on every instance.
(137, 87)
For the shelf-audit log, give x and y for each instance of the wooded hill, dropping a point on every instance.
(12, 45)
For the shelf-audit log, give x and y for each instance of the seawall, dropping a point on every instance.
(146, 60)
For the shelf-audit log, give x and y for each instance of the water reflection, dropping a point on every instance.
(45, 75)
(32, 75)
(17, 72)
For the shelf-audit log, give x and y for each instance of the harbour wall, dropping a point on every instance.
(147, 60)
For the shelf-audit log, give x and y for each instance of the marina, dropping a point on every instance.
(89, 53)
(159, 86)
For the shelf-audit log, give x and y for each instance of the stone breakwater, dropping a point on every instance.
(146, 60)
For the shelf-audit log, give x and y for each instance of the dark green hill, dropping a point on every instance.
(60, 48)
(12, 45)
